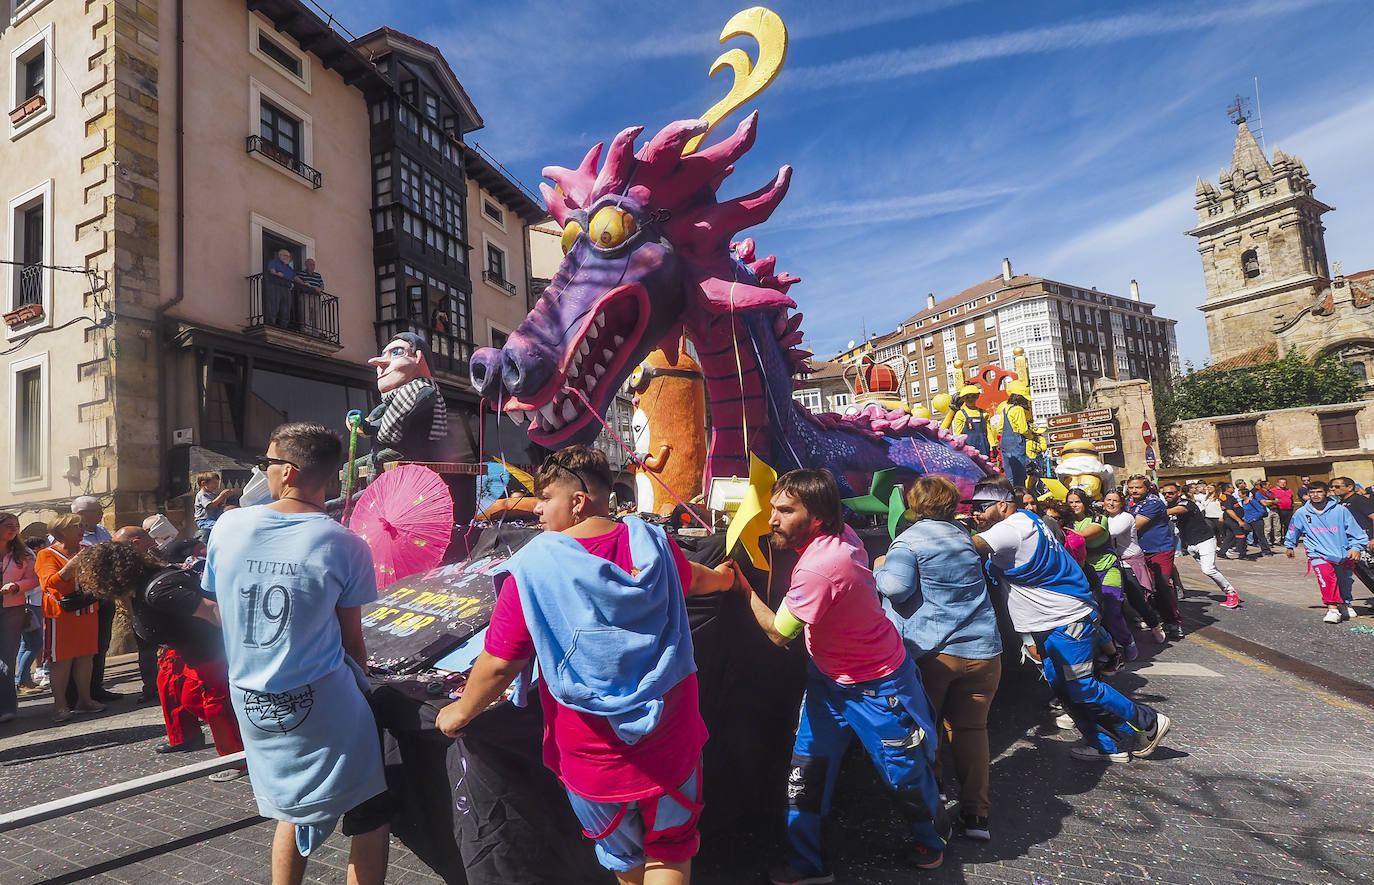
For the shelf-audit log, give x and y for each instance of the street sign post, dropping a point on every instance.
(1150, 460)
(1093, 432)
(1147, 434)
(1103, 446)
(1073, 419)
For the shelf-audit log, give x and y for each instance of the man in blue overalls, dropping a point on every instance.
(1016, 428)
(1049, 601)
(970, 420)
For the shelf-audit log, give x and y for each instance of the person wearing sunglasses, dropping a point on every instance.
(1048, 598)
(290, 584)
(601, 605)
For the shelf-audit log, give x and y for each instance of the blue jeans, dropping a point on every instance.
(892, 719)
(1106, 718)
(1016, 467)
(30, 648)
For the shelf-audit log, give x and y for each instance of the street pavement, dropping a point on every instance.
(1264, 778)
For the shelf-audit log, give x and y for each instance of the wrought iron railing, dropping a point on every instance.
(30, 285)
(492, 276)
(259, 145)
(272, 301)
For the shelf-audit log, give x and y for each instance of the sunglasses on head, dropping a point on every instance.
(552, 460)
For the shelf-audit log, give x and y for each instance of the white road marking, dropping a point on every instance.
(1175, 668)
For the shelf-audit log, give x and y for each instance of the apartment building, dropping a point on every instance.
(163, 155)
(1070, 335)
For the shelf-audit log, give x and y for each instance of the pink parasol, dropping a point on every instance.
(406, 517)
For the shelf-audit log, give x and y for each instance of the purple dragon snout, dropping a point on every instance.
(521, 369)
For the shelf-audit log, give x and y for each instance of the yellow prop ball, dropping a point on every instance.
(940, 402)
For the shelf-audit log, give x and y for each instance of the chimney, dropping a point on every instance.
(1135, 291)
(930, 301)
(1006, 270)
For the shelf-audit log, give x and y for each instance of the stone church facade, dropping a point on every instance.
(1270, 288)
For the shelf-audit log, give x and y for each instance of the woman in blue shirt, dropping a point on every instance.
(934, 591)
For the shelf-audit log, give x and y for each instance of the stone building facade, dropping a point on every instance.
(159, 153)
(1270, 288)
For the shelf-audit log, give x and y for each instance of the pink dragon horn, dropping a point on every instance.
(620, 161)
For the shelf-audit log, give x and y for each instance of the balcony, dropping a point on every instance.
(301, 319)
(28, 300)
(259, 145)
(496, 279)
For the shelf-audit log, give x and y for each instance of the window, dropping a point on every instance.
(499, 338)
(496, 262)
(970, 328)
(1238, 439)
(972, 350)
(270, 47)
(31, 73)
(30, 278)
(1249, 262)
(810, 397)
(933, 383)
(992, 345)
(928, 341)
(279, 54)
(989, 322)
(840, 401)
(1339, 431)
(493, 212)
(28, 421)
(930, 363)
(279, 128)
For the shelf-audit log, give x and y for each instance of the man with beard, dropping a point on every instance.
(861, 682)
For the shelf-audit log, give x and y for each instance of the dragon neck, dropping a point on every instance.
(740, 393)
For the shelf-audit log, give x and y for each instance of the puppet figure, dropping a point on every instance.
(669, 429)
(1080, 467)
(411, 423)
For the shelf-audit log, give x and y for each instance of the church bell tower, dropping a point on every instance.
(1262, 244)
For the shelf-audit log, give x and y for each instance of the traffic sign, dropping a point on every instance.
(1147, 434)
(1103, 446)
(1150, 456)
(1095, 431)
(1072, 419)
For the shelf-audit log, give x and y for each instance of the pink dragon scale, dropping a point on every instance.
(650, 251)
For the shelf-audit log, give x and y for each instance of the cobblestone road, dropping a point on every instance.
(1265, 778)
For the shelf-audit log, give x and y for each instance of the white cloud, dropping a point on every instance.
(895, 64)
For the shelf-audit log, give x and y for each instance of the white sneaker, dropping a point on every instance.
(1333, 616)
(1064, 721)
(1349, 612)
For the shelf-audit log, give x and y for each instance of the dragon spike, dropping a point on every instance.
(577, 183)
(724, 295)
(620, 164)
(557, 203)
(724, 153)
(780, 321)
(792, 338)
(720, 179)
(664, 150)
(737, 214)
(793, 323)
(764, 266)
(783, 280)
(799, 355)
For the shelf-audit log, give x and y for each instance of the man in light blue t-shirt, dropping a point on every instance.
(290, 583)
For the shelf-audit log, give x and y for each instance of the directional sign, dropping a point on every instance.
(1103, 446)
(1072, 419)
(1095, 431)
(1146, 433)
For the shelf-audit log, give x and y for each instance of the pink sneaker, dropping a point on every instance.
(1232, 600)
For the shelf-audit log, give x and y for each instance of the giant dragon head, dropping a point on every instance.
(646, 251)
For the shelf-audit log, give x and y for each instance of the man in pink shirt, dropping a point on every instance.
(860, 682)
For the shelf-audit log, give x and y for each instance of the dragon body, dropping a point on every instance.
(649, 253)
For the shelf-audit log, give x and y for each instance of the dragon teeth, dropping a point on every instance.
(569, 410)
(598, 371)
(607, 355)
(584, 348)
(600, 321)
(519, 416)
(618, 340)
(548, 415)
(592, 331)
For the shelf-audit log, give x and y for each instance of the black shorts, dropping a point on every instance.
(368, 815)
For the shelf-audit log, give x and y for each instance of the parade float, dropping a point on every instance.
(654, 268)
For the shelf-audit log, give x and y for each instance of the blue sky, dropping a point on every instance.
(932, 138)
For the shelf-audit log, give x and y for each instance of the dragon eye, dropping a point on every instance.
(571, 231)
(611, 226)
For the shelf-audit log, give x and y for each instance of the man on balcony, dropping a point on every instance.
(309, 286)
(276, 290)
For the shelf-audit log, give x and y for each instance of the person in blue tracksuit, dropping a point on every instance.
(1333, 539)
(1048, 598)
